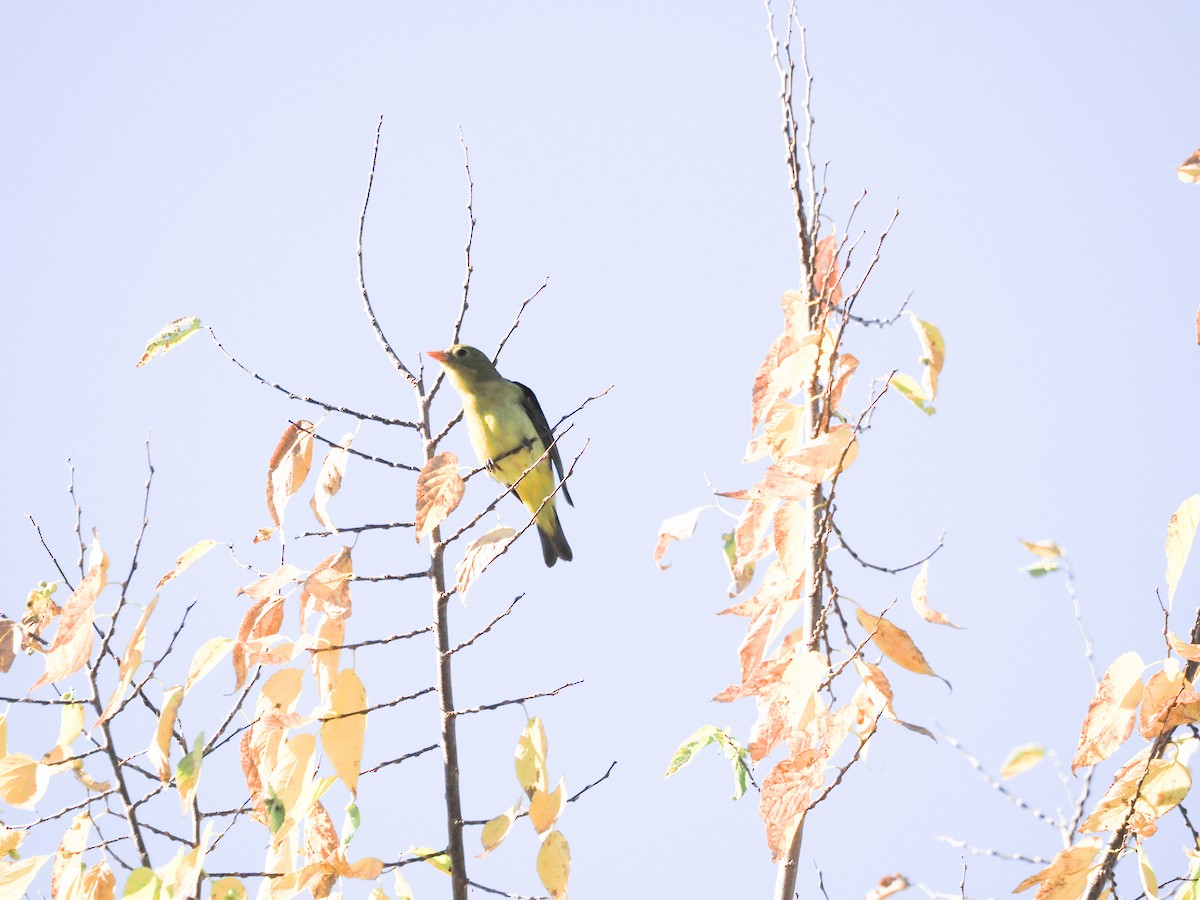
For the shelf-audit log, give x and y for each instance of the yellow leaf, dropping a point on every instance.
(920, 599)
(496, 830)
(1110, 717)
(142, 884)
(908, 388)
(554, 864)
(227, 889)
(1181, 531)
(159, 752)
(206, 658)
(99, 883)
(1168, 700)
(1022, 759)
(1190, 652)
(329, 480)
(171, 335)
(440, 861)
(1149, 881)
(545, 808)
(1043, 549)
(67, 869)
(1154, 788)
(342, 735)
(530, 757)
(15, 878)
(1067, 875)
(10, 840)
(403, 891)
(933, 354)
(439, 490)
(129, 662)
(288, 467)
(23, 780)
(479, 553)
(186, 559)
(187, 774)
(894, 642)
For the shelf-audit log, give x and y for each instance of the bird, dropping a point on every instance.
(509, 432)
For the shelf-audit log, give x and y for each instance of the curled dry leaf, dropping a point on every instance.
(933, 354)
(172, 335)
(888, 886)
(1112, 712)
(479, 555)
(327, 588)
(159, 752)
(439, 490)
(1189, 172)
(676, 528)
(288, 467)
(129, 662)
(329, 479)
(827, 278)
(1168, 701)
(920, 599)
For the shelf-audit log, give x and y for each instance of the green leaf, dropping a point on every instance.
(735, 752)
(440, 861)
(1022, 759)
(1040, 568)
(353, 820)
(910, 390)
(142, 884)
(171, 335)
(276, 812)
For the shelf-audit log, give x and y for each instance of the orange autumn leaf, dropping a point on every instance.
(99, 883)
(791, 365)
(1066, 877)
(72, 645)
(1190, 652)
(1112, 713)
(1168, 700)
(827, 279)
(1152, 787)
(439, 490)
(787, 791)
(546, 806)
(327, 588)
(888, 886)
(263, 619)
(920, 599)
(496, 830)
(23, 780)
(894, 642)
(288, 467)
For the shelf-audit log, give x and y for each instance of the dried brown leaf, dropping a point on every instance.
(288, 467)
(72, 643)
(1112, 713)
(439, 490)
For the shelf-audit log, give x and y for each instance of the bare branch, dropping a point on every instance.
(490, 706)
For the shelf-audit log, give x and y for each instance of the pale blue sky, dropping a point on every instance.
(161, 161)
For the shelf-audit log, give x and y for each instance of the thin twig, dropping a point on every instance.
(490, 706)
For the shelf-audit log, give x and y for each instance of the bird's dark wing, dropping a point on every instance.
(533, 409)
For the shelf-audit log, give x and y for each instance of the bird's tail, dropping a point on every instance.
(554, 542)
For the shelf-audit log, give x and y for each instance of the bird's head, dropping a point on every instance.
(466, 364)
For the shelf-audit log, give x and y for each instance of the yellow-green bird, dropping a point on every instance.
(508, 432)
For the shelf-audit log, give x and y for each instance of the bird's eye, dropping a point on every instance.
(461, 351)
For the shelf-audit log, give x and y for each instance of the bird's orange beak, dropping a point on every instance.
(439, 355)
